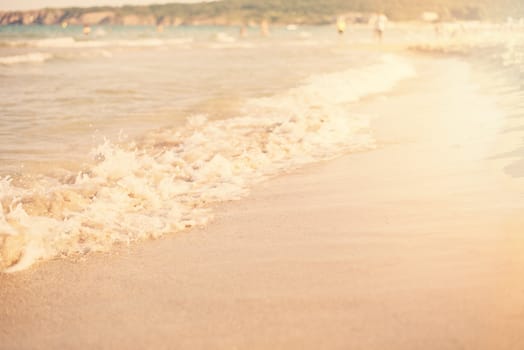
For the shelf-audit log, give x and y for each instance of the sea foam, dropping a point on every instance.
(33, 57)
(94, 42)
(171, 179)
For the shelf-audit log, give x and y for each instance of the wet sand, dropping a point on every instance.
(415, 245)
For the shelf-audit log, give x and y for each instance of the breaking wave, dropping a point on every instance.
(170, 179)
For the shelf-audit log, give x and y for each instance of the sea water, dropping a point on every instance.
(132, 133)
(495, 53)
(501, 74)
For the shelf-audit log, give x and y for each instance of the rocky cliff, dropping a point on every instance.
(57, 16)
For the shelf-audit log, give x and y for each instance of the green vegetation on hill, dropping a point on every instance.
(275, 11)
(312, 11)
(318, 11)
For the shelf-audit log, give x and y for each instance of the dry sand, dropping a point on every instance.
(416, 245)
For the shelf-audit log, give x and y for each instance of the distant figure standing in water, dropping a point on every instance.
(243, 31)
(341, 25)
(378, 21)
(264, 28)
(87, 29)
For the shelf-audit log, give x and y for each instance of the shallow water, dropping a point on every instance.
(134, 134)
(61, 89)
(501, 74)
(129, 134)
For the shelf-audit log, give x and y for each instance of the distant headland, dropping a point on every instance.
(235, 12)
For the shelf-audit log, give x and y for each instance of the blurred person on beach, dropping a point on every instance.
(378, 21)
(341, 25)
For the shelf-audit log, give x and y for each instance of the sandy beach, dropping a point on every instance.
(414, 245)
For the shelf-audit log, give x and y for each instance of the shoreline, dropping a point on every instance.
(416, 244)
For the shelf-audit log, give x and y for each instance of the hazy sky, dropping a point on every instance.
(36, 4)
